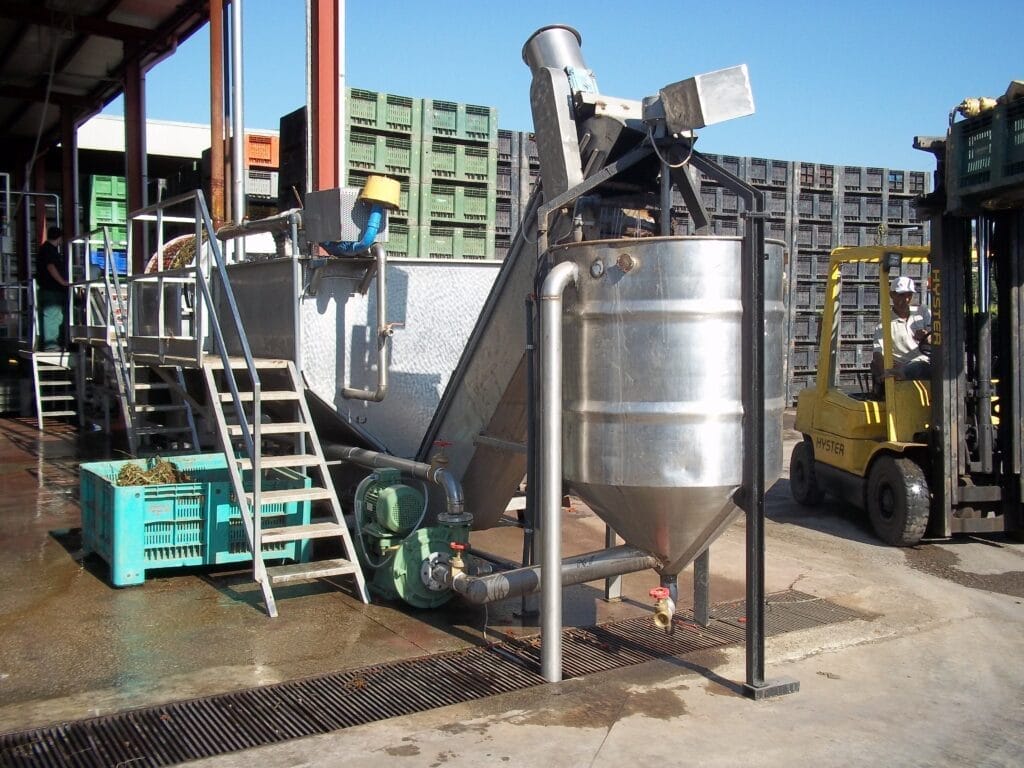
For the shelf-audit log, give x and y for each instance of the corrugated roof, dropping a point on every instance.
(72, 54)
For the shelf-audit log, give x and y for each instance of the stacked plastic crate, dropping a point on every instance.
(458, 199)
(385, 138)
(262, 156)
(108, 207)
(846, 206)
(518, 171)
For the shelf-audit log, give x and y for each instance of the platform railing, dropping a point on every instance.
(183, 337)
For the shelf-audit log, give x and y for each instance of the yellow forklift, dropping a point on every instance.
(944, 455)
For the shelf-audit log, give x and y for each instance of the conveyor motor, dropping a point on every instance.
(402, 555)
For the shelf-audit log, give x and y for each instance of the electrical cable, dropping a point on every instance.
(654, 146)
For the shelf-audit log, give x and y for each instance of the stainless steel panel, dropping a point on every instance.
(265, 293)
(652, 386)
(435, 306)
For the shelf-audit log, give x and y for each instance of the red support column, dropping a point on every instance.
(135, 151)
(71, 218)
(328, 133)
(217, 172)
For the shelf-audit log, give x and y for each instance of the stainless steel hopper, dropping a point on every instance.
(652, 386)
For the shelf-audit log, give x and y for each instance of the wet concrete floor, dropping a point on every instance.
(73, 645)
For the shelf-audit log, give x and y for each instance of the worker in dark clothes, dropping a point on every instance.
(52, 281)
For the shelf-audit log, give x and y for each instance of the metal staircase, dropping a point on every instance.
(54, 382)
(175, 321)
(53, 375)
(294, 433)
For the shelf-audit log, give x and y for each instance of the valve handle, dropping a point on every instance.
(457, 546)
(659, 593)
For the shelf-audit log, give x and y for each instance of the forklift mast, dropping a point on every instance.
(977, 258)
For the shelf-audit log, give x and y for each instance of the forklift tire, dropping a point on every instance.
(803, 483)
(897, 501)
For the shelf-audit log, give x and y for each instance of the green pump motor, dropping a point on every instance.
(392, 545)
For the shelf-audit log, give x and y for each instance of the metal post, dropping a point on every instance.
(135, 154)
(701, 582)
(752, 288)
(984, 348)
(237, 126)
(528, 604)
(557, 280)
(613, 584)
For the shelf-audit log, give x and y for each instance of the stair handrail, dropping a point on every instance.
(251, 439)
(114, 295)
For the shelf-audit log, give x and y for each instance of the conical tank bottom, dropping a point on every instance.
(677, 524)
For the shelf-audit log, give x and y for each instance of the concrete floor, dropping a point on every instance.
(934, 678)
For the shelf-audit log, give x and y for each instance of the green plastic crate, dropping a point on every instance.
(457, 243)
(462, 205)
(403, 241)
(107, 212)
(463, 122)
(459, 162)
(376, 153)
(371, 110)
(110, 187)
(139, 528)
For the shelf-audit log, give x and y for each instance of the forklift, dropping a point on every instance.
(944, 455)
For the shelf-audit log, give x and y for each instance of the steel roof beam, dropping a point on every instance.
(27, 12)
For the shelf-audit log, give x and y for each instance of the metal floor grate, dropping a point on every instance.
(173, 733)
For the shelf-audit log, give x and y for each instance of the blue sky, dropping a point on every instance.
(844, 83)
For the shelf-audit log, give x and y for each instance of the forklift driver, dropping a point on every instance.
(911, 328)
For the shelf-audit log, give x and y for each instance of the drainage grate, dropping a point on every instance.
(169, 734)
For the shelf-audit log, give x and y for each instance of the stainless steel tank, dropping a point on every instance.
(652, 394)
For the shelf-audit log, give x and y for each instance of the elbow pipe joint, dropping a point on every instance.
(374, 224)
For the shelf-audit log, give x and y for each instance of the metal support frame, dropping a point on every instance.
(326, 111)
(217, 207)
(135, 154)
(751, 494)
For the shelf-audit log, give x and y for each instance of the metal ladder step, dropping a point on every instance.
(59, 413)
(161, 430)
(238, 363)
(150, 385)
(272, 462)
(282, 574)
(52, 398)
(147, 408)
(301, 532)
(55, 383)
(274, 394)
(280, 428)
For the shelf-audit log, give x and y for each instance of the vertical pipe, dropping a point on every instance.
(560, 276)
(666, 200)
(327, 131)
(217, 212)
(69, 175)
(383, 334)
(340, 114)
(237, 127)
(308, 123)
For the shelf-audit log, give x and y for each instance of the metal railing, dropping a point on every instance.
(204, 328)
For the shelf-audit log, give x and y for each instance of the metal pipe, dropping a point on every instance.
(560, 276)
(280, 222)
(579, 569)
(666, 200)
(237, 125)
(384, 332)
(439, 476)
(556, 46)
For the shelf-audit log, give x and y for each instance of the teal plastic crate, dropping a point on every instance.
(138, 528)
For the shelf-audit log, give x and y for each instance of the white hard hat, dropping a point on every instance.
(903, 284)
